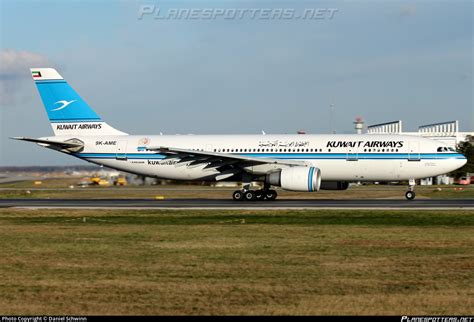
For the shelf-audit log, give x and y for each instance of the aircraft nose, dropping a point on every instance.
(463, 160)
(460, 160)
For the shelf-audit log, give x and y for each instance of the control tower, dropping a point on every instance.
(359, 124)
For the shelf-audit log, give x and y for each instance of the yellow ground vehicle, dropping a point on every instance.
(99, 181)
(120, 181)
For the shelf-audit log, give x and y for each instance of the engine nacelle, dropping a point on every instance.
(296, 178)
(334, 185)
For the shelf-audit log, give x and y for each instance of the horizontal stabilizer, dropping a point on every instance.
(69, 144)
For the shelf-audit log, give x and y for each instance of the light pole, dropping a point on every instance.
(331, 107)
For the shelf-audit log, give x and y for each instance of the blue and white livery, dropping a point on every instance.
(292, 162)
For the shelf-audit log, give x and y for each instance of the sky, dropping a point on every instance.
(381, 60)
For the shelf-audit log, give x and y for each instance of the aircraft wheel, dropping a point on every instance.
(271, 195)
(410, 195)
(238, 195)
(250, 195)
(259, 195)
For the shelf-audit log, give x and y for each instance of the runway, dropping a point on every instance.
(230, 204)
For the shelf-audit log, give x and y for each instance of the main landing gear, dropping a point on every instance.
(410, 194)
(251, 195)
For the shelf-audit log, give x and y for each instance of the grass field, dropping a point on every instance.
(236, 262)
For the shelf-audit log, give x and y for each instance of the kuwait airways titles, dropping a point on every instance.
(76, 126)
(364, 144)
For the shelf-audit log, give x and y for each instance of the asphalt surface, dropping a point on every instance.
(227, 203)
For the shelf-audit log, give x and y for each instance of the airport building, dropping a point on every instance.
(446, 132)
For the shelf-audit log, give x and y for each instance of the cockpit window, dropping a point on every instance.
(445, 149)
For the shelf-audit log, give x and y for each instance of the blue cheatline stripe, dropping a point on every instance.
(309, 156)
(359, 156)
(50, 81)
(113, 155)
(75, 120)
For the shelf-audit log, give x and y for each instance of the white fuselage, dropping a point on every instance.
(339, 157)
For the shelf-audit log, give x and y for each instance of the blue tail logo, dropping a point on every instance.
(68, 113)
(57, 95)
(65, 104)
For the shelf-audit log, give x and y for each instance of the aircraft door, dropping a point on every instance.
(352, 154)
(413, 151)
(121, 153)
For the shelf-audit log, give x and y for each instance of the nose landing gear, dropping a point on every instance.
(410, 194)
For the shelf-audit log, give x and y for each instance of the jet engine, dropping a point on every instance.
(297, 178)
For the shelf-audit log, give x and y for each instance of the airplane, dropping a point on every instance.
(294, 162)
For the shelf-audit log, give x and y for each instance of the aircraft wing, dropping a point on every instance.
(69, 144)
(217, 159)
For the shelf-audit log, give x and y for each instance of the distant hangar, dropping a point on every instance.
(446, 132)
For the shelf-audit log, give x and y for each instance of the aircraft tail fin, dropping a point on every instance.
(68, 113)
